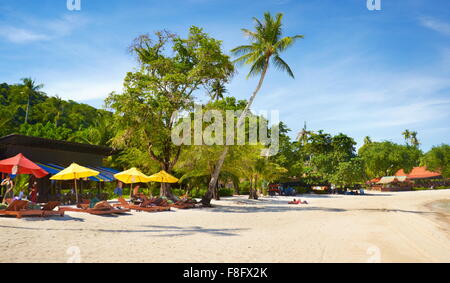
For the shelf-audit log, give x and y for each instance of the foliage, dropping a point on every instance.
(48, 117)
(386, 158)
(163, 84)
(438, 159)
(267, 42)
(349, 173)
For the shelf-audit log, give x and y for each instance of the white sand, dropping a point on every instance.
(386, 227)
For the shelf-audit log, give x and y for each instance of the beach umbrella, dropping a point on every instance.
(132, 176)
(74, 172)
(163, 177)
(19, 164)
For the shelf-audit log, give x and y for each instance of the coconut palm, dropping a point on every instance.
(30, 88)
(267, 42)
(217, 90)
(367, 140)
(407, 135)
(266, 45)
(302, 136)
(413, 139)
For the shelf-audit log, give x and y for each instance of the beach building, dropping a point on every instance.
(53, 156)
(419, 173)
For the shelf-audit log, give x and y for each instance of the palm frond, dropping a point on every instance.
(257, 67)
(283, 66)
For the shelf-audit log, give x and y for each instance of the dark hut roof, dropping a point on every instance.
(55, 144)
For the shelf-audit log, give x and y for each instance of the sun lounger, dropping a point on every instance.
(101, 208)
(49, 209)
(19, 209)
(145, 206)
(183, 205)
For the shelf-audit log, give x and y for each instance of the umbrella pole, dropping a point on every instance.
(131, 190)
(76, 192)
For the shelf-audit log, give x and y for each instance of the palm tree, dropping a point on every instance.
(267, 43)
(30, 88)
(367, 140)
(217, 91)
(413, 139)
(407, 135)
(302, 136)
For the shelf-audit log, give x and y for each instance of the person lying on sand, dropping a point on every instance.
(298, 202)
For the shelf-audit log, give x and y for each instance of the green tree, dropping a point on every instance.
(267, 43)
(438, 159)
(349, 173)
(386, 158)
(164, 84)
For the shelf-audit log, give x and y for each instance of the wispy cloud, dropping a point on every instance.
(20, 35)
(32, 29)
(436, 25)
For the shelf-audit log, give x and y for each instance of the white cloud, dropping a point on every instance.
(32, 29)
(19, 35)
(436, 25)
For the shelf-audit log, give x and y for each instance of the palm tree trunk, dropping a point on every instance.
(28, 106)
(206, 200)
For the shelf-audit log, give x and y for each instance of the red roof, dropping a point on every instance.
(419, 173)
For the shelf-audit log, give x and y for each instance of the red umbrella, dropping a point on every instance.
(19, 164)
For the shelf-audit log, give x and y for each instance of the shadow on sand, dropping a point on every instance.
(157, 231)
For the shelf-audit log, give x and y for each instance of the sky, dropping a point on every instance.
(357, 71)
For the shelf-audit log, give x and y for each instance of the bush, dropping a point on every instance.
(226, 192)
(302, 190)
(420, 189)
(442, 188)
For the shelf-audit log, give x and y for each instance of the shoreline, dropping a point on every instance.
(442, 216)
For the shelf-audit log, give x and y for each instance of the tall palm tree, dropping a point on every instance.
(30, 88)
(266, 45)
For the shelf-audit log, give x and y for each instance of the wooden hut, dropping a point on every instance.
(55, 155)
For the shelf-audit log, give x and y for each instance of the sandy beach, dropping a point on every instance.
(380, 227)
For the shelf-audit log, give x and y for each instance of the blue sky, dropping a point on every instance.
(359, 72)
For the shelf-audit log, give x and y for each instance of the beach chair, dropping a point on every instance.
(49, 209)
(183, 205)
(145, 206)
(101, 208)
(18, 208)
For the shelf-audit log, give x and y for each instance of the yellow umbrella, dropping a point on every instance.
(74, 172)
(132, 176)
(163, 177)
